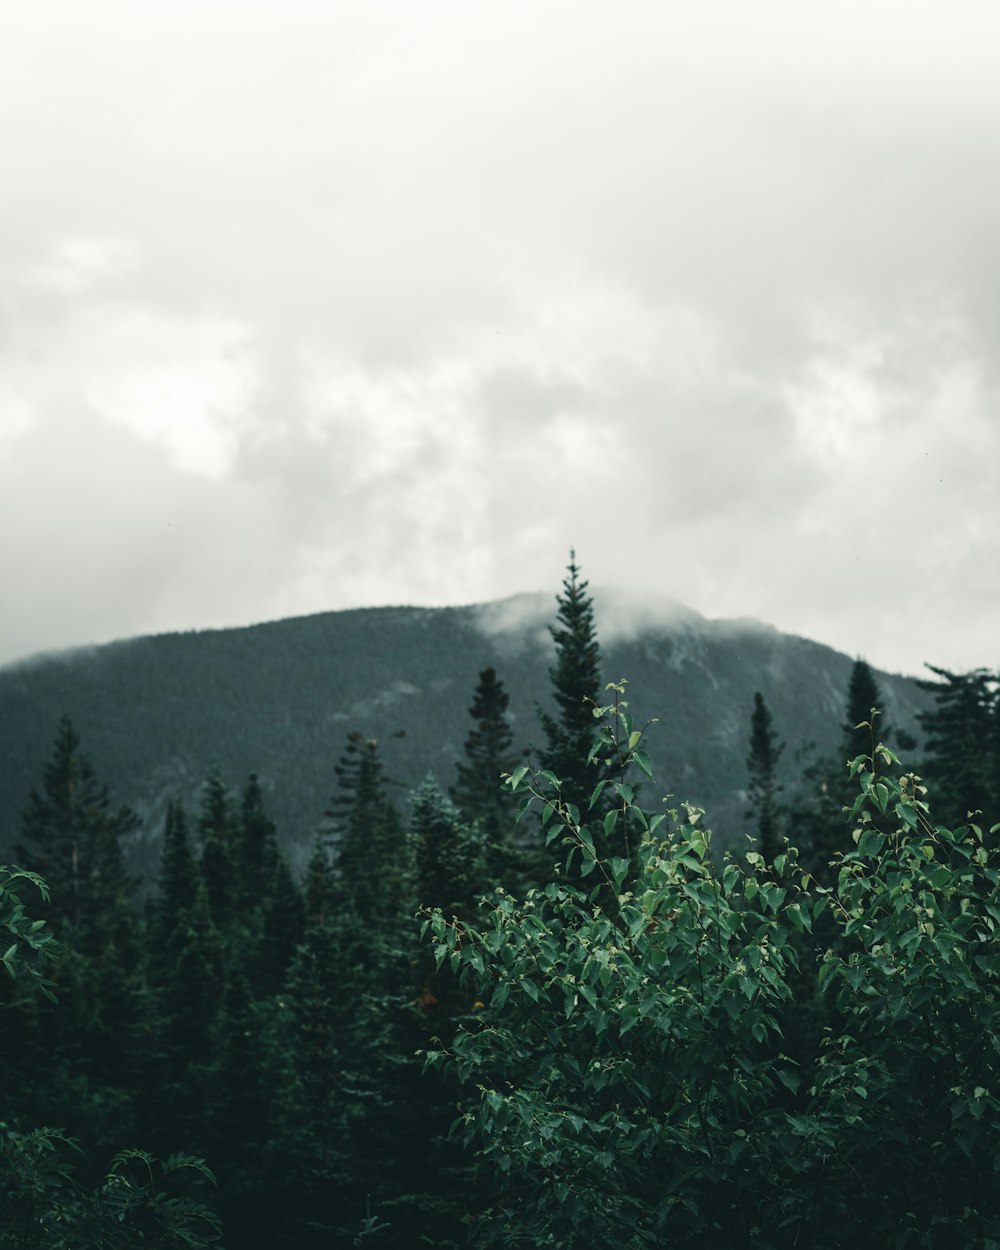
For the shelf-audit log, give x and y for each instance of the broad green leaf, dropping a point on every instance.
(642, 759)
(517, 776)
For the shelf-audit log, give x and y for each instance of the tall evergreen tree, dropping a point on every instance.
(257, 846)
(239, 1117)
(218, 834)
(820, 823)
(763, 790)
(73, 838)
(176, 882)
(318, 888)
(576, 687)
(185, 970)
(448, 853)
(370, 849)
(478, 791)
(863, 694)
(962, 743)
(314, 1109)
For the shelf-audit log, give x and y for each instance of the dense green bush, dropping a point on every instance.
(629, 1079)
(50, 1198)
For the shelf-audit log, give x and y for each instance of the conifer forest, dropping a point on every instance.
(529, 1003)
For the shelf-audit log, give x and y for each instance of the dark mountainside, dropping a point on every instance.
(279, 699)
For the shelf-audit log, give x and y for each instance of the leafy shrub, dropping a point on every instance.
(44, 1204)
(628, 1079)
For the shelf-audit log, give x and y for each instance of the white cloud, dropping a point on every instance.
(426, 294)
(76, 265)
(188, 387)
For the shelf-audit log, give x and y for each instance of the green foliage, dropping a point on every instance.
(763, 790)
(962, 743)
(664, 1046)
(44, 1204)
(72, 837)
(913, 1072)
(576, 684)
(477, 792)
(449, 855)
(28, 943)
(371, 864)
(141, 1201)
(631, 1083)
(863, 695)
(818, 821)
(218, 833)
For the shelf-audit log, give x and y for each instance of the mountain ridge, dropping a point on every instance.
(157, 712)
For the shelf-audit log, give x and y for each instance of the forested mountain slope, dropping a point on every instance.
(279, 699)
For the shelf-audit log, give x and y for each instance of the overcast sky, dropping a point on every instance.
(318, 305)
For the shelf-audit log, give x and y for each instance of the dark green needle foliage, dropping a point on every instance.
(863, 694)
(73, 837)
(257, 846)
(176, 884)
(218, 833)
(51, 1196)
(478, 793)
(370, 847)
(764, 787)
(664, 1046)
(448, 854)
(962, 744)
(819, 821)
(576, 685)
(270, 905)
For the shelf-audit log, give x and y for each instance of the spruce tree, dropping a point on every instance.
(217, 831)
(448, 853)
(185, 973)
(175, 884)
(239, 1118)
(257, 846)
(863, 695)
(962, 745)
(72, 837)
(280, 929)
(820, 822)
(314, 1109)
(318, 888)
(576, 687)
(370, 861)
(763, 790)
(478, 791)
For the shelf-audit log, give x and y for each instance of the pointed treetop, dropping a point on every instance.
(863, 695)
(576, 688)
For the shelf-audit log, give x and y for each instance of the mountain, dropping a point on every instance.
(279, 699)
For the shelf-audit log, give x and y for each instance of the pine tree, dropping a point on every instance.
(763, 790)
(819, 822)
(73, 838)
(370, 858)
(185, 973)
(478, 791)
(239, 1117)
(318, 888)
(576, 687)
(175, 885)
(863, 695)
(217, 831)
(280, 929)
(257, 846)
(447, 852)
(268, 904)
(963, 745)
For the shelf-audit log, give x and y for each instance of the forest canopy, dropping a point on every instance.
(535, 1007)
